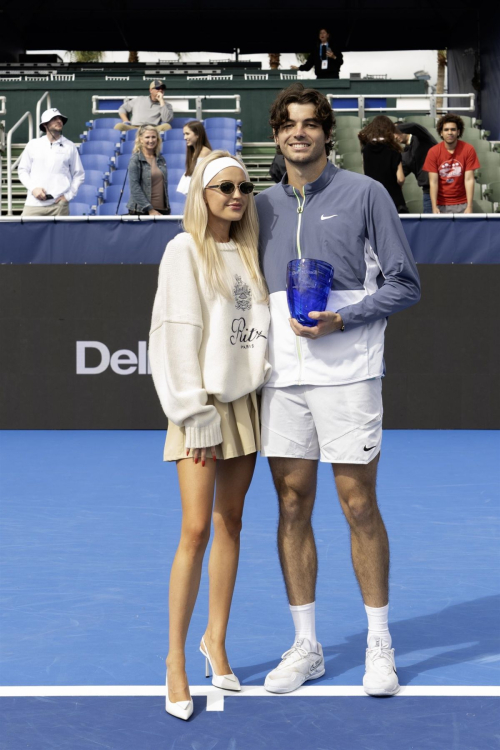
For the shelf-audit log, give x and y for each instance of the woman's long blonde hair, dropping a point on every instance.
(141, 131)
(245, 234)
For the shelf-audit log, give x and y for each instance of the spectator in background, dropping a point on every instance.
(50, 169)
(326, 61)
(197, 147)
(278, 168)
(451, 166)
(382, 159)
(416, 142)
(148, 175)
(147, 110)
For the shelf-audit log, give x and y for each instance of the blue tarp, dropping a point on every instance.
(432, 240)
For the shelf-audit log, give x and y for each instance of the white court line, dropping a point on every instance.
(215, 696)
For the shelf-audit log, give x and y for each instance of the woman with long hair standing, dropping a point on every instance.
(197, 147)
(147, 172)
(382, 157)
(208, 357)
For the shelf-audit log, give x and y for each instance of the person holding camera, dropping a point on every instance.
(146, 110)
(326, 61)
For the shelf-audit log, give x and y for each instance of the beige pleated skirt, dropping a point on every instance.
(239, 426)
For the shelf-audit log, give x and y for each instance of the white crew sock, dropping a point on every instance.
(304, 619)
(378, 625)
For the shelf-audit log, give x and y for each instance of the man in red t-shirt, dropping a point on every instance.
(451, 166)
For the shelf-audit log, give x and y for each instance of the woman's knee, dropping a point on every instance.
(229, 524)
(194, 537)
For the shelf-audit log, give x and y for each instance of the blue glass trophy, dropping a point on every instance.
(308, 284)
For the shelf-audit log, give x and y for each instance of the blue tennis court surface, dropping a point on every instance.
(90, 521)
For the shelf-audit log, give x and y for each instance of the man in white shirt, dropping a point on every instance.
(50, 169)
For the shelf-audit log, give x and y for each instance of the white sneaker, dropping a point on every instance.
(300, 663)
(380, 677)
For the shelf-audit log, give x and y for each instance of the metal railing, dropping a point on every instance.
(190, 104)
(423, 103)
(3, 105)
(39, 111)
(10, 166)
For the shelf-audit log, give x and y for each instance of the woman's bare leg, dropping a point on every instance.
(197, 491)
(233, 480)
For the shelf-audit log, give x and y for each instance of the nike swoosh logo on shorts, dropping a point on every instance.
(369, 449)
(328, 217)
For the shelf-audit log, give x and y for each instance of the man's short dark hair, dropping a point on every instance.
(451, 118)
(297, 94)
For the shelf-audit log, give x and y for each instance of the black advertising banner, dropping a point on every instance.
(74, 349)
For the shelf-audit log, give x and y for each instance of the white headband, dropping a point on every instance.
(217, 165)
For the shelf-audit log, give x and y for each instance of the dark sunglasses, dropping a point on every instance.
(228, 188)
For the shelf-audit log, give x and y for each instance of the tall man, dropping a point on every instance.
(50, 169)
(147, 110)
(451, 166)
(323, 400)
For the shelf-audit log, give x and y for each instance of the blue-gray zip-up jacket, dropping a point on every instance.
(350, 221)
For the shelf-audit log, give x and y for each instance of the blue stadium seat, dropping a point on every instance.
(174, 175)
(176, 209)
(80, 209)
(127, 147)
(228, 122)
(117, 177)
(225, 144)
(223, 133)
(103, 122)
(174, 135)
(130, 135)
(105, 148)
(112, 194)
(95, 161)
(112, 136)
(94, 177)
(109, 209)
(179, 122)
(174, 147)
(122, 161)
(175, 161)
(87, 194)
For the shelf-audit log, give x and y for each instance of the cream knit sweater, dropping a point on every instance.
(200, 345)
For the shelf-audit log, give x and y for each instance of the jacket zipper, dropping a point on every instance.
(300, 211)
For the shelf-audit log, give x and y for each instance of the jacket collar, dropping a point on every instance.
(321, 183)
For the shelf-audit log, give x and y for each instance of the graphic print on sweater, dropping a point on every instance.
(242, 294)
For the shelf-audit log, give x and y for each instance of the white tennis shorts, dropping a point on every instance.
(332, 423)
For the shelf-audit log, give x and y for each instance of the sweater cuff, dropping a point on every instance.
(203, 437)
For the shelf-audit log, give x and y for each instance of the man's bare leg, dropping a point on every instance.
(295, 482)
(369, 543)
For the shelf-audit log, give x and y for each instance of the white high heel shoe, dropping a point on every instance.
(181, 709)
(224, 681)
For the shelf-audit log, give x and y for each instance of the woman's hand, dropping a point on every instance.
(201, 454)
(154, 212)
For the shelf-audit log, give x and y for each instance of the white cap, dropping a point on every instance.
(49, 114)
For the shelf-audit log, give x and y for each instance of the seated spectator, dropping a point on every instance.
(147, 110)
(451, 166)
(148, 175)
(50, 169)
(382, 159)
(326, 61)
(197, 147)
(416, 142)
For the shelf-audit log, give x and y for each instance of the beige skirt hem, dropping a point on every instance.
(239, 426)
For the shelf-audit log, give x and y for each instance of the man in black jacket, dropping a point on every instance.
(324, 58)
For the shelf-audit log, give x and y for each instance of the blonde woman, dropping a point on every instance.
(147, 172)
(208, 357)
